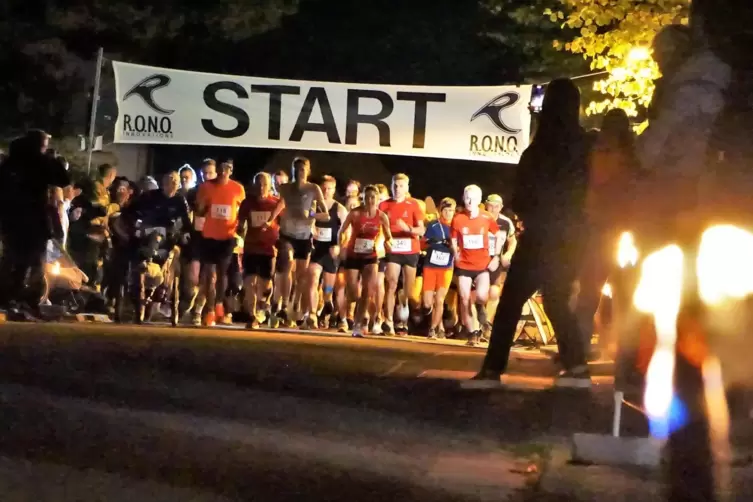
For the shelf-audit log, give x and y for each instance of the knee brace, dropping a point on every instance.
(328, 289)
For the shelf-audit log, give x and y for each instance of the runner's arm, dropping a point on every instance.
(386, 229)
(240, 229)
(320, 216)
(419, 230)
(342, 233)
(511, 247)
(279, 208)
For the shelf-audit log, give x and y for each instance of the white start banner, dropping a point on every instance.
(176, 107)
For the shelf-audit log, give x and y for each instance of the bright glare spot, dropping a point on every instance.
(619, 73)
(658, 397)
(725, 264)
(607, 290)
(660, 286)
(659, 293)
(56, 268)
(627, 253)
(637, 54)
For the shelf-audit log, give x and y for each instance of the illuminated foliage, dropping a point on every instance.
(615, 36)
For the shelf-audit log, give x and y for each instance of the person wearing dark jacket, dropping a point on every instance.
(27, 174)
(549, 197)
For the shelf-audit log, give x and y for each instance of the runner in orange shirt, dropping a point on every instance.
(470, 244)
(219, 202)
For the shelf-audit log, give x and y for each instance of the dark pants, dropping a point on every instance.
(21, 268)
(545, 264)
(598, 262)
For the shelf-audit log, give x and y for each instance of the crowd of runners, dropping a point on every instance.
(373, 260)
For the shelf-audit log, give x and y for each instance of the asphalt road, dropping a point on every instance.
(275, 417)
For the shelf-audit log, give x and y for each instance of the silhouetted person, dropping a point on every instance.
(548, 197)
(26, 175)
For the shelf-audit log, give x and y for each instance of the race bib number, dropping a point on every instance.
(472, 242)
(364, 246)
(221, 211)
(439, 258)
(492, 244)
(198, 223)
(401, 246)
(259, 218)
(323, 234)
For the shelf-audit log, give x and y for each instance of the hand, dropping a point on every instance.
(334, 251)
(494, 264)
(403, 226)
(505, 262)
(388, 244)
(343, 253)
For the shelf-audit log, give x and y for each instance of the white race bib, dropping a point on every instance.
(364, 246)
(472, 242)
(198, 223)
(221, 211)
(401, 245)
(439, 258)
(492, 242)
(259, 218)
(323, 234)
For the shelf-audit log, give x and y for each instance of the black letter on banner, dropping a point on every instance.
(210, 99)
(354, 117)
(419, 115)
(316, 94)
(275, 104)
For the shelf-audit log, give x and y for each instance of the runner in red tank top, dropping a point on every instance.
(361, 260)
(259, 251)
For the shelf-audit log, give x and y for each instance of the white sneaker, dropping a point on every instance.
(390, 328)
(377, 328)
(357, 331)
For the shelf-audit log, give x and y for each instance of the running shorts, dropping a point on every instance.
(437, 278)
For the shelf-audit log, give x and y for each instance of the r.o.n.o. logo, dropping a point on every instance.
(494, 108)
(146, 89)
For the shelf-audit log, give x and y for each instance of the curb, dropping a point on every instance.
(91, 318)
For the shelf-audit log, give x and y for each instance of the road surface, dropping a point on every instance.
(275, 417)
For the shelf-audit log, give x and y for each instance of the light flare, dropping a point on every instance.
(627, 253)
(638, 54)
(55, 268)
(607, 290)
(659, 293)
(725, 265)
